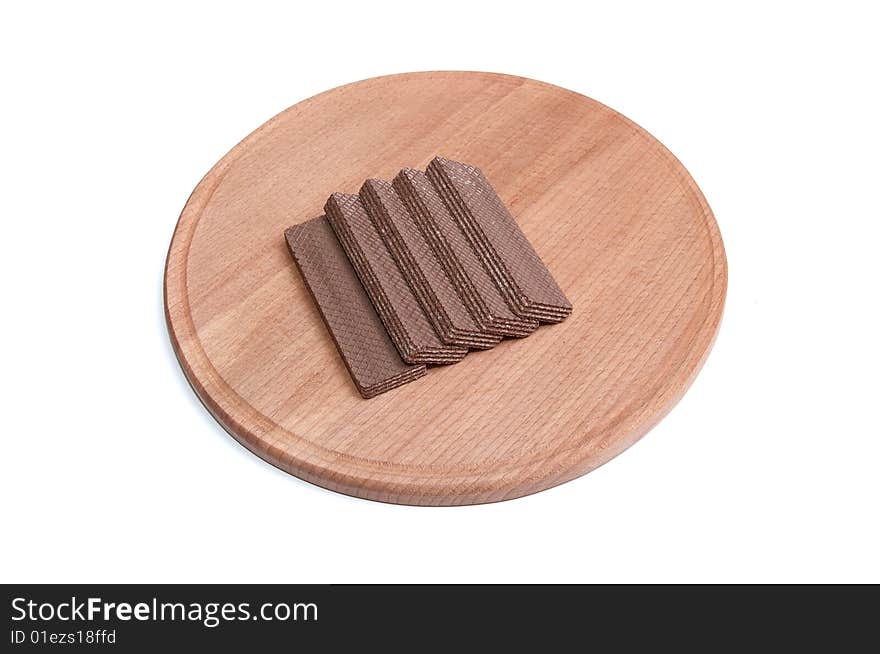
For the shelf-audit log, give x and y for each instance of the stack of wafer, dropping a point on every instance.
(421, 270)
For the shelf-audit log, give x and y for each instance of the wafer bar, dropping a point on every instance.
(409, 328)
(370, 356)
(422, 270)
(460, 261)
(515, 267)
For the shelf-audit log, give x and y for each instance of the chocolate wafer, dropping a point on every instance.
(460, 261)
(403, 317)
(370, 356)
(421, 268)
(515, 267)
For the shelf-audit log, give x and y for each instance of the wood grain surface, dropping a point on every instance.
(617, 219)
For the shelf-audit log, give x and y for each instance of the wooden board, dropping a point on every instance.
(618, 220)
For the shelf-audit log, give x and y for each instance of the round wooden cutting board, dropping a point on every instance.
(614, 215)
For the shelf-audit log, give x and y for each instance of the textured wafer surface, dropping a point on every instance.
(397, 306)
(421, 267)
(461, 262)
(516, 268)
(370, 356)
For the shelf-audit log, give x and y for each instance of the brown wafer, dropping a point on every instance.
(370, 356)
(403, 317)
(515, 267)
(460, 261)
(422, 270)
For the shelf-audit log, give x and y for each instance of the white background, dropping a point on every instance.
(111, 469)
